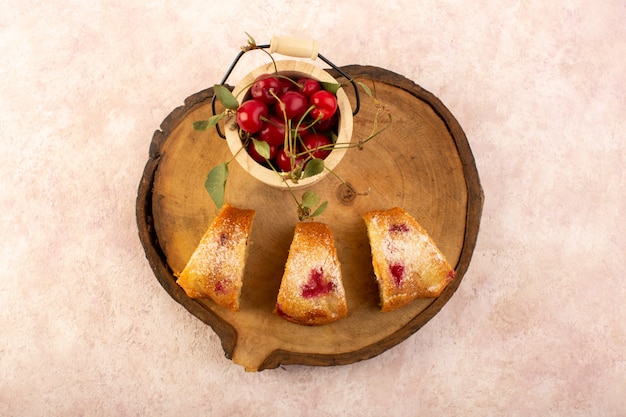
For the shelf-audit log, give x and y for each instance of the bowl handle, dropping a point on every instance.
(295, 47)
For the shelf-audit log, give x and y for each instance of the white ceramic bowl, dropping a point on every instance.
(293, 69)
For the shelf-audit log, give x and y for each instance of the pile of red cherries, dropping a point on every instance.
(276, 104)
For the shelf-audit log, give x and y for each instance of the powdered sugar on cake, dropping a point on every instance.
(400, 247)
(216, 267)
(309, 267)
(406, 262)
(220, 252)
(311, 290)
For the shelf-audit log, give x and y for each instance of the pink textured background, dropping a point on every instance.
(537, 327)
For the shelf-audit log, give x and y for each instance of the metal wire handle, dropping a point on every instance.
(292, 49)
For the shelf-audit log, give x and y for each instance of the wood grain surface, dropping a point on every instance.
(423, 163)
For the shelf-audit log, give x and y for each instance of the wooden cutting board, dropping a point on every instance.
(423, 163)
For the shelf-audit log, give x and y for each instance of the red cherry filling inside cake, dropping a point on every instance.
(311, 290)
(407, 263)
(216, 267)
(316, 285)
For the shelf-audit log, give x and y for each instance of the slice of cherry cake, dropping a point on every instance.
(215, 269)
(406, 261)
(311, 291)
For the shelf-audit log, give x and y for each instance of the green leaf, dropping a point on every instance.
(313, 167)
(310, 199)
(330, 87)
(216, 183)
(201, 125)
(296, 173)
(262, 148)
(225, 97)
(251, 40)
(210, 122)
(365, 88)
(320, 209)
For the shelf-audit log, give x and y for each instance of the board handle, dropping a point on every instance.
(295, 47)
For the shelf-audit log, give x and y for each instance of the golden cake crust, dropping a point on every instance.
(407, 263)
(216, 267)
(311, 291)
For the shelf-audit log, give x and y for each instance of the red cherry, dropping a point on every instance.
(249, 115)
(292, 104)
(265, 88)
(325, 104)
(273, 130)
(256, 156)
(302, 130)
(285, 85)
(328, 124)
(312, 142)
(283, 162)
(308, 86)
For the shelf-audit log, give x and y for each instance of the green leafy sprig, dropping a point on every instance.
(217, 177)
(309, 205)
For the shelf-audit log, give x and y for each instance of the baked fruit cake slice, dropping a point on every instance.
(215, 269)
(311, 291)
(406, 261)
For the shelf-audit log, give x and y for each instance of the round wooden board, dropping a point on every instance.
(423, 163)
